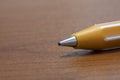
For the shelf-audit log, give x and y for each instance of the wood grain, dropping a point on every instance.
(30, 30)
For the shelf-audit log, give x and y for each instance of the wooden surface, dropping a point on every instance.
(30, 30)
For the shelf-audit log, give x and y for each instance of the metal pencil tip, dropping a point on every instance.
(68, 42)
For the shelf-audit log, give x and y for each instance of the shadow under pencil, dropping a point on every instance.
(91, 52)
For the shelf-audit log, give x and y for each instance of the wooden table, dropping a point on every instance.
(30, 30)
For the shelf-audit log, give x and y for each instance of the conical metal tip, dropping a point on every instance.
(68, 42)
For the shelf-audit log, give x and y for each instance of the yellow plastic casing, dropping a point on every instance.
(99, 36)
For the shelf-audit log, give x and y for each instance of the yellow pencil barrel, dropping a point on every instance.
(99, 36)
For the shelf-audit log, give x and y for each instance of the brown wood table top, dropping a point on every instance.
(30, 30)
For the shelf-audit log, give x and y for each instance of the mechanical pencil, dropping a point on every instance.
(97, 37)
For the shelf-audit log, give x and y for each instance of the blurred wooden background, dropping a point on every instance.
(30, 30)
